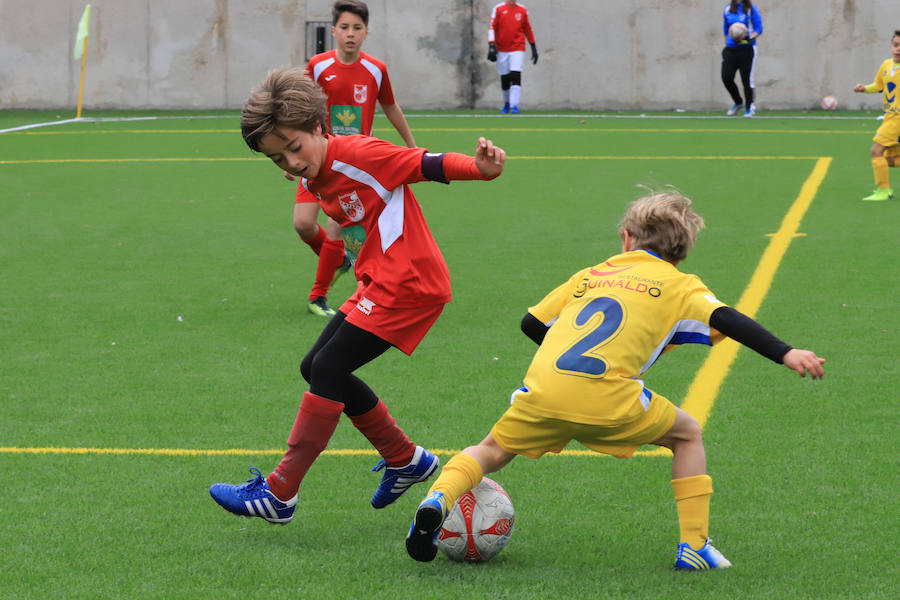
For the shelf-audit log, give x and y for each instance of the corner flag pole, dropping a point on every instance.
(81, 43)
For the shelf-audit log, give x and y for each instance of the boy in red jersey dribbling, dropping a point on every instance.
(362, 183)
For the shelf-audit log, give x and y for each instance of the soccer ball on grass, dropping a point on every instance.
(829, 103)
(479, 525)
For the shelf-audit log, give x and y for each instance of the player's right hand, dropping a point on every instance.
(492, 52)
(489, 158)
(804, 361)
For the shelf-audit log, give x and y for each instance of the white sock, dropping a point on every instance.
(505, 96)
(515, 93)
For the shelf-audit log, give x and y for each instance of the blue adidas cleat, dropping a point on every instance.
(396, 481)
(505, 109)
(253, 499)
(705, 558)
(514, 110)
(421, 541)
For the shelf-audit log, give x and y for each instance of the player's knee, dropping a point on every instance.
(877, 150)
(307, 230)
(515, 77)
(505, 81)
(306, 367)
(690, 430)
(333, 230)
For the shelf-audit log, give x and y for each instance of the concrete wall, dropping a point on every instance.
(595, 54)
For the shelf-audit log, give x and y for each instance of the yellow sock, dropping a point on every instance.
(692, 502)
(458, 476)
(880, 167)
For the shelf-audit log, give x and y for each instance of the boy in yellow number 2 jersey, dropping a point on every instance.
(886, 149)
(598, 333)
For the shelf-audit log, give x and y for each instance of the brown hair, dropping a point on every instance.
(285, 98)
(747, 6)
(357, 7)
(663, 223)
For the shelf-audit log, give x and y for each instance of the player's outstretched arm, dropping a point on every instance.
(804, 361)
(489, 158)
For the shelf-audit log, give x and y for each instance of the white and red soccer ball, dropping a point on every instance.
(737, 31)
(480, 524)
(829, 103)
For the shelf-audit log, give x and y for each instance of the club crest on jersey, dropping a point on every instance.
(352, 206)
(360, 92)
(518, 17)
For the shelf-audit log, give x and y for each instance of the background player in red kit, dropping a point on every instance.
(363, 184)
(506, 45)
(353, 81)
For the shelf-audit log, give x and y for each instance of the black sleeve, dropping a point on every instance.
(533, 328)
(433, 167)
(748, 332)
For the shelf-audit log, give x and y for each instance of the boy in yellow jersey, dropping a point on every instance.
(885, 149)
(598, 333)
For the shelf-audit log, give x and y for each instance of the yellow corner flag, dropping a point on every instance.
(81, 42)
(81, 39)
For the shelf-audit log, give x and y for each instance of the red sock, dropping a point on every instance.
(381, 430)
(316, 241)
(313, 427)
(331, 256)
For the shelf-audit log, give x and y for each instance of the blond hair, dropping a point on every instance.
(285, 98)
(663, 223)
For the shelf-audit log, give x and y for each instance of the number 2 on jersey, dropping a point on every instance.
(579, 359)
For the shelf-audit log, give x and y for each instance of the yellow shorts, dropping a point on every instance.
(522, 430)
(889, 132)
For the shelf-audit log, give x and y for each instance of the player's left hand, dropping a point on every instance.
(804, 361)
(289, 177)
(489, 158)
(534, 54)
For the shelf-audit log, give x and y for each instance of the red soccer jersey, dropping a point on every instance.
(509, 27)
(352, 90)
(363, 184)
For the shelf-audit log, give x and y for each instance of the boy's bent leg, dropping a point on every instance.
(403, 462)
(316, 421)
(275, 498)
(692, 488)
(462, 473)
(331, 257)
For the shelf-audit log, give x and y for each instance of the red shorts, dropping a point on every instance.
(404, 328)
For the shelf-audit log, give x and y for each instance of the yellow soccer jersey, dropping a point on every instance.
(608, 324)
(888, 80)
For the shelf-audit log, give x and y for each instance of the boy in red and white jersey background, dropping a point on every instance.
(353, 82)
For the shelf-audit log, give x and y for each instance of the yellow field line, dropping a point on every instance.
(705, 386)
(700, 396)
(467, 130)
(241, 451)
(58, 161)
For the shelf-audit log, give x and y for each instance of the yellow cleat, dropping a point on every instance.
(880, 195)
